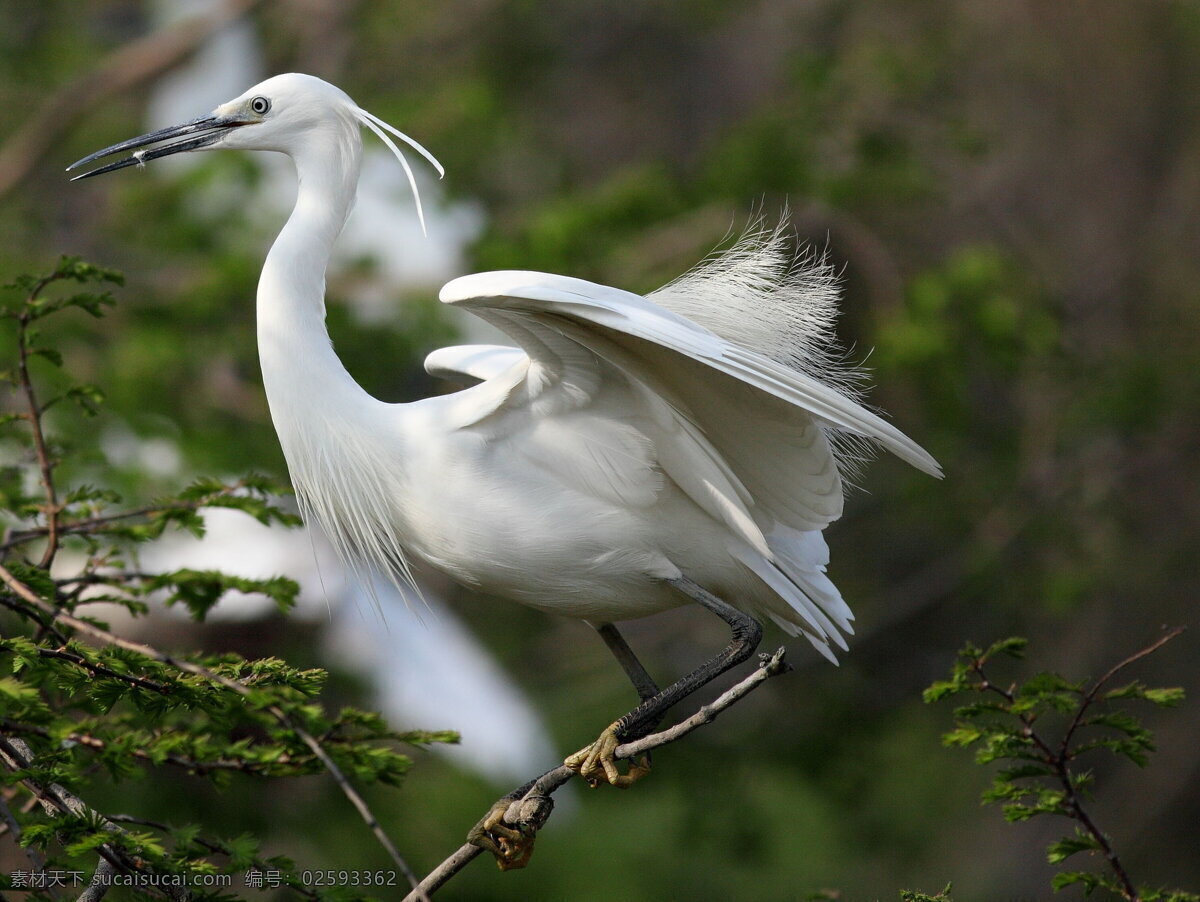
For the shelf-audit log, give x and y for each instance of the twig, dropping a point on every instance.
(768, 667)
(1059, 760)
(215, 847)
(90, 525)
(55, 799)
(549, 782)
(191, 765)
(101, 881)
(46, 627)
(33, 415)
(359, 803)
(11, 823)
(100, 670)
(125, 67)
(1062, 767)
(347, 789)
(1090, 696)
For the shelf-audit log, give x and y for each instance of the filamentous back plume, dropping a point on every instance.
(765, 296)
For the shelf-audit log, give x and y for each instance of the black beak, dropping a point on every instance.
(206, 130)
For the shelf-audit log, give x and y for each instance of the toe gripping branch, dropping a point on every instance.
(510, 828)
(597, 763)
(746, 636)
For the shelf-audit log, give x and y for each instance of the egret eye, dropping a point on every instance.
(260, 105)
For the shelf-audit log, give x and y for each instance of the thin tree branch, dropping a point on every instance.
(33, 415)
(46, 626)
(91, 525)
(101, 881)
(769, 666)
(123, 68)
(344, 784)
(215, 847)
(55, 799)
(100, 670)
(1090, 696)
(1059, 759)
(192, 765)
(358, 802)
(549, 782)
(1062, 767)
(11, 823)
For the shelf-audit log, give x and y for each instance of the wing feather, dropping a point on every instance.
(739, 433)
(474, 362)
(622, 312)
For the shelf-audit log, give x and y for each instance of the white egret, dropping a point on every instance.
(634, 454)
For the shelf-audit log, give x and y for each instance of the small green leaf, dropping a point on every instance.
(77, 269)
(49, 354)
(918, 896)
(1064, 848)
(1089, 882)
(87, 397)
(427, 737)
(1014, 647)
(13, 690)
(1166, 697)
(962, 736)
(941, 690)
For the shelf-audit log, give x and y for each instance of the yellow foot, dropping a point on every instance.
(597, 762)
(508, 837)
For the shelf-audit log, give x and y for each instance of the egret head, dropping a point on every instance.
(290, 114)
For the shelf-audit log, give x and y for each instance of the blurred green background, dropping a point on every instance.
(1013, 190)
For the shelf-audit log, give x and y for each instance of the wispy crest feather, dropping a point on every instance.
(763, 296)
(381, 128)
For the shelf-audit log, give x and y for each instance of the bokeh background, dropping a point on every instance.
(1013, 191)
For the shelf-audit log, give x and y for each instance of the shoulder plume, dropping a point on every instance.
(763, 296)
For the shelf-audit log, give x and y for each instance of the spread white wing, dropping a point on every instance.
(742, 435)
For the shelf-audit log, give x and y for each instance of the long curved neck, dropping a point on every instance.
(305, 381)
(342, 446)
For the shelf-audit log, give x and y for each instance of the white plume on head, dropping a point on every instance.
(765, 297)
(381, 129)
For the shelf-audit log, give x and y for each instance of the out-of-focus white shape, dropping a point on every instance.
(241, 546)
(159, 457)
(385, 228)
(218, 69)
(436, 676)
(428, 671)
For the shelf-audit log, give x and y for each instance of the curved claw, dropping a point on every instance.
(597, 762)
(510, 828)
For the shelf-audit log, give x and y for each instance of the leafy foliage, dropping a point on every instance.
(1041, 730)
(917, 896)
(80, 706)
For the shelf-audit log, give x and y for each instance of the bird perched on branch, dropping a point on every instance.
(629, 455)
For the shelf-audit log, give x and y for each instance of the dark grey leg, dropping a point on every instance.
(642, 681)
(597, 762)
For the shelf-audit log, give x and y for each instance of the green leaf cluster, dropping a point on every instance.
(1040, 731)
(81, 707)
